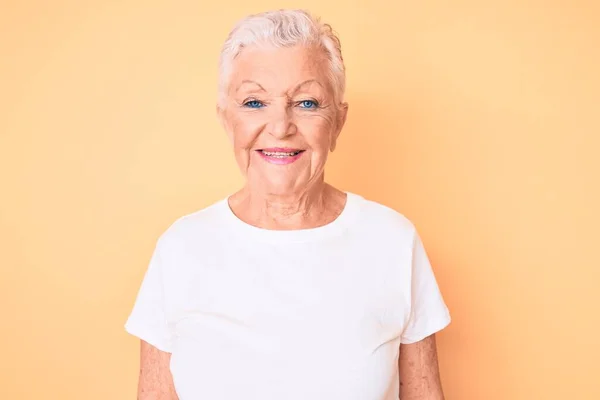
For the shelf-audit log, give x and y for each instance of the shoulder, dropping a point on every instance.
(383, 221)
(197, 227)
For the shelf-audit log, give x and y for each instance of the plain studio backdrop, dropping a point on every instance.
(478, 120)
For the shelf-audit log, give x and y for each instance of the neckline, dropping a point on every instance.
(335, 227)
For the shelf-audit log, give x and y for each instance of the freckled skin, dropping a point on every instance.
(419, 372)
(283, 98)
(155, 381)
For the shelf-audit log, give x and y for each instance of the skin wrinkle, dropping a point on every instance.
(293, 196)
(299, 86)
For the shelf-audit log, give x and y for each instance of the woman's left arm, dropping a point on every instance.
(419, 371)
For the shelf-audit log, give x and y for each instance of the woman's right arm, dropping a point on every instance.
(155, 381)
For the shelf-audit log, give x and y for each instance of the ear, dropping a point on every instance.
(222, 116)
(340, 122)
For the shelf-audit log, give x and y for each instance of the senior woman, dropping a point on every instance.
(289, 289)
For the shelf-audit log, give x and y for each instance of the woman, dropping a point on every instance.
(290, 288)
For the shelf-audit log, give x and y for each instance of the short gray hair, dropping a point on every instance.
(284, 28)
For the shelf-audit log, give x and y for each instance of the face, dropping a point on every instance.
(281, 117)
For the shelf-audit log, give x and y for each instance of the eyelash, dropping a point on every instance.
(258, 104)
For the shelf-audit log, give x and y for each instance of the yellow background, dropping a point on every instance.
(479, 120)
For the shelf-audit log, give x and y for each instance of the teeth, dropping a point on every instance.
(280, 154)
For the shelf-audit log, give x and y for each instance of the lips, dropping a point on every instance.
(280, 155)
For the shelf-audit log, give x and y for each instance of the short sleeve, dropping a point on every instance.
(428, 312)
(147, 320)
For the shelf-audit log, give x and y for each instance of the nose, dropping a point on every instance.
(281, 122)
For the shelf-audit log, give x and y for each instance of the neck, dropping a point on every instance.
(315, 206)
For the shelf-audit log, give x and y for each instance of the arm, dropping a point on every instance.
(155, 381)
(419, 372)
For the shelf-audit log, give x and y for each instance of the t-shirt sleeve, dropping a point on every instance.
(428, 312)
(147, 320)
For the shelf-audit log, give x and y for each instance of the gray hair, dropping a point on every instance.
(284, 28)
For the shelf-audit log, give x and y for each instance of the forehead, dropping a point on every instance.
(279, 68)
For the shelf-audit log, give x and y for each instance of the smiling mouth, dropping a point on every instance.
(280, 156)
(279, 153)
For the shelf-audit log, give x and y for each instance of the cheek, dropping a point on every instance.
(245, 131)
(317, 133)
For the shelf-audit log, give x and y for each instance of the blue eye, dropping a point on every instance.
(308, 104)
(253, 104)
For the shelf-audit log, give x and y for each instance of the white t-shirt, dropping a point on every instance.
(251, 313)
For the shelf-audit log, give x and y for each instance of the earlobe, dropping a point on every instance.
(343, 115)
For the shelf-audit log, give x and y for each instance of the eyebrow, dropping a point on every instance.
(249, 82)
(306, 83)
